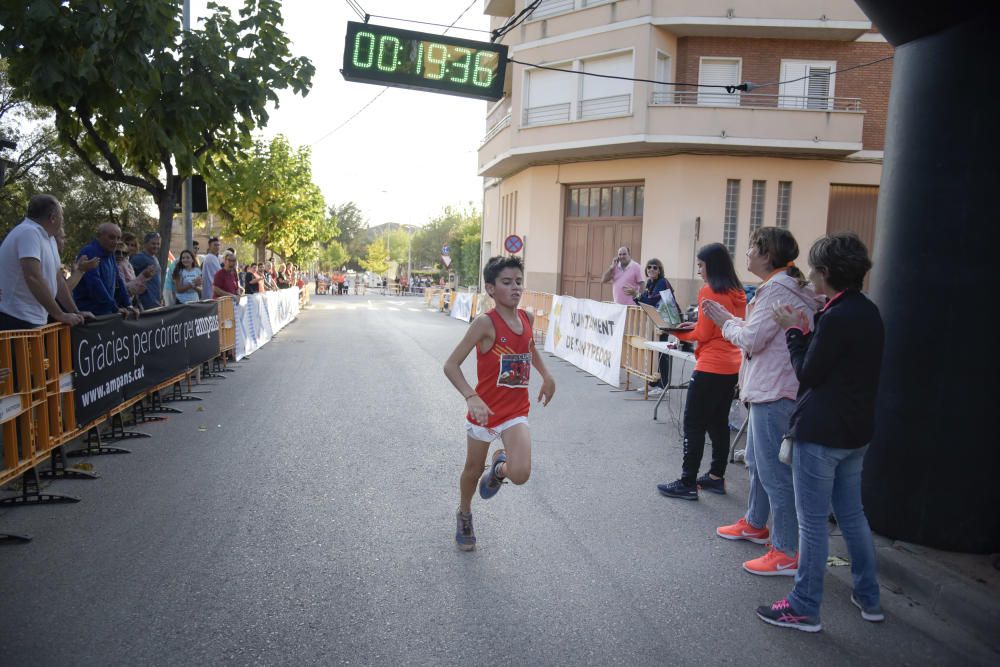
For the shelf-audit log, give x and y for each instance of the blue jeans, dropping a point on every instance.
(771, 480)
(823, 475)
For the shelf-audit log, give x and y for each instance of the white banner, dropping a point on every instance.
(461, 306)
(588, 334)
(260, 316)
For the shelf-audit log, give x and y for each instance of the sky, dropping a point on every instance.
(410, 153)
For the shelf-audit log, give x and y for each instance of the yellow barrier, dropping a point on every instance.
(37, 400)
(637, 359)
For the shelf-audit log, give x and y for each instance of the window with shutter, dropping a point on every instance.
(806, 84)
(606, 97)
(719, 72)
(549, 96)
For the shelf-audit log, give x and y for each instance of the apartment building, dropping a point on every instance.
(579, 165)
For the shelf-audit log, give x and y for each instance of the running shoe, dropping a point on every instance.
(870, 614)
(465, 535)
(773, 564)
(742, 530)
(491, 481)
(706, 483)
(782, 614)
(678, 489)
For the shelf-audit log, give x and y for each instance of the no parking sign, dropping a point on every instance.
(513, 244)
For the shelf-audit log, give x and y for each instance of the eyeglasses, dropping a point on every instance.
(120, 254)
(652, 267)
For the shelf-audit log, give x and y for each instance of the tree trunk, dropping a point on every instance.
(165, 228)
(261, 250)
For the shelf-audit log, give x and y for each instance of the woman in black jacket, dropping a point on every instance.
(837, 361)
(656, 282)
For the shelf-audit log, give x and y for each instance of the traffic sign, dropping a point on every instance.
(513, 244)
(444, 250)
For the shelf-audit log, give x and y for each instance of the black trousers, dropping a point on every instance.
(709, 397)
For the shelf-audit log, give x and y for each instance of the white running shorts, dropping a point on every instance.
(489, 434)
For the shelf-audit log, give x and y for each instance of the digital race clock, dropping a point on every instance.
(422, 61)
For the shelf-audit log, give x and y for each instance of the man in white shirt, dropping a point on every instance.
(209, 267)
(31, 277)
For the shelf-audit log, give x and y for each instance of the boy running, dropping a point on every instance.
(498, 406)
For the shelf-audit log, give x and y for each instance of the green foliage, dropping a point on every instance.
(377, 259)
(353, 232)
(333, 257)
(268, 197)
(399, 241)
(465, 251)
(138, 100)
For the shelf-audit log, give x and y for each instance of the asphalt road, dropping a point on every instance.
(305, 515)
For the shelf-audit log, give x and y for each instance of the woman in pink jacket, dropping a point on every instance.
(768, 384)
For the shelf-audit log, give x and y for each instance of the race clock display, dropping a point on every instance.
(423, 61)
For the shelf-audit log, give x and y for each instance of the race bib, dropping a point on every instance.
(515, 369)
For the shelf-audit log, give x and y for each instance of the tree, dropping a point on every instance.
(333, 256)
(377, 259)
(399, 244)
(353, 232)
(25, 126)
(466, 250)
(139, 101)
(268, 198)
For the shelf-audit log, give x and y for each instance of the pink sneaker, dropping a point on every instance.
(741, 530)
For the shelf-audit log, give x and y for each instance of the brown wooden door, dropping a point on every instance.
(599, 220)
(853, 209)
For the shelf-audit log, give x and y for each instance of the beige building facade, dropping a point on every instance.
(578, 165)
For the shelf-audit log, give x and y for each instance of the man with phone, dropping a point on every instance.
(623, 273)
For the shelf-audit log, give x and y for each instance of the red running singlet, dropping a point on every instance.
(504, 370)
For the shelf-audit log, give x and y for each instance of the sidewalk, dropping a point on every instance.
(952, 597)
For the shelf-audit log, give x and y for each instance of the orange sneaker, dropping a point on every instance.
(741, 530)
(773, 564)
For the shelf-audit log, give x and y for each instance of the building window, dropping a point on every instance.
(662, 92)
(599, 97)
(508, 216)
(719, 72)
(605, 201)
(757, 205)
(809, 84)
(784, 204)
(556, 97)
(553, 7)
(732, 214)
(549, 96)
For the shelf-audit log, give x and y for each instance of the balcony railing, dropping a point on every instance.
(496, 128)
(551, 113)
(757, 100)
(601, 107)
(598, 107)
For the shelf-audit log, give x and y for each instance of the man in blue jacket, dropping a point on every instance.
(153, 296)
(102, 290)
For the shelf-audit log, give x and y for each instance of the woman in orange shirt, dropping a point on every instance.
(716, 370)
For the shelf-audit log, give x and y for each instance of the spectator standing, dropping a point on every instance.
(656, 282)
(252, 281)
(80, 266)
(187, 278)
(226, 281)
(131, 241)
(282, 279)
(135, 285)
(768, 384)
(32, 283)
(209, 267)
(623, 273)
(837, 360)
(152, 297)
(268, 276)
(102, 290)
(710, 392)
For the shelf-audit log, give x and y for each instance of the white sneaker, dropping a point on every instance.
(656, 391)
